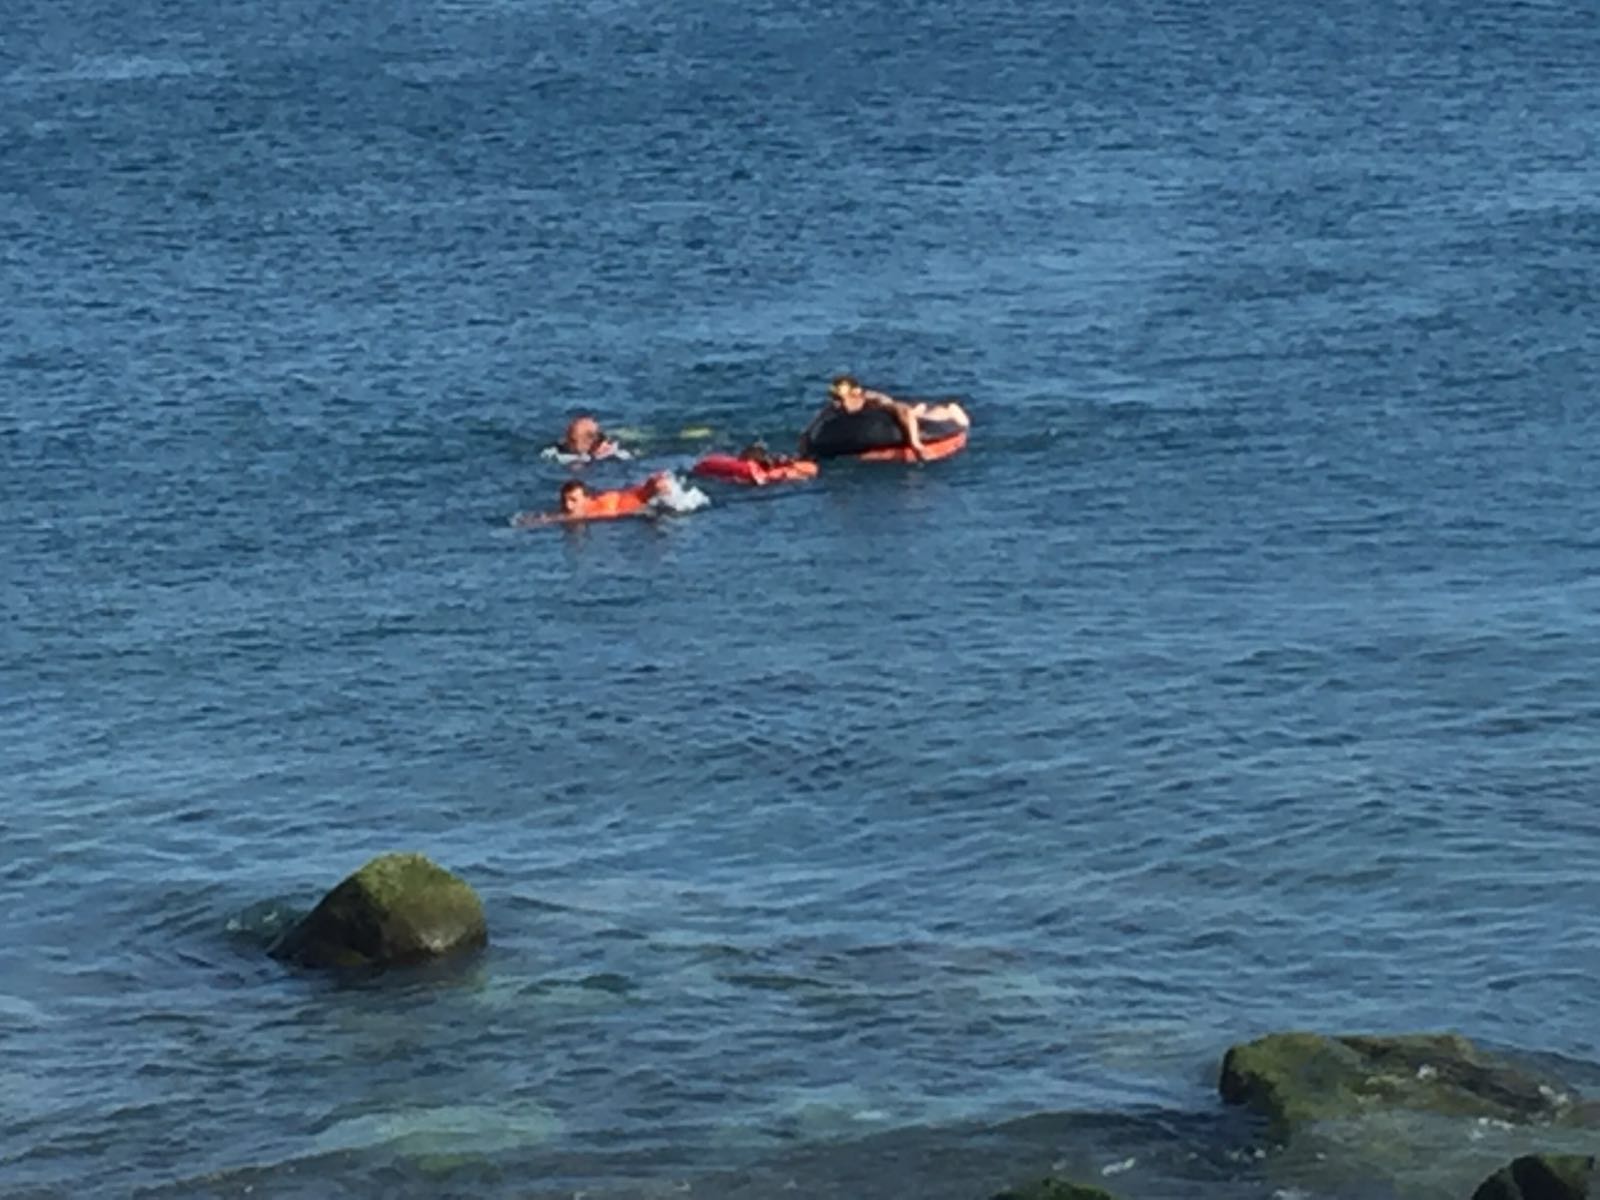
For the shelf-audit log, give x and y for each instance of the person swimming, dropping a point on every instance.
(585, 441)
(848, 396)
(767, 467)
(754, 465)
(757, 453)
(578, 503)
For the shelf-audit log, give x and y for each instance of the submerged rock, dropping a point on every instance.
(398, 910)
(1298, 1078)
(1055, 1189)
(1540, 1177)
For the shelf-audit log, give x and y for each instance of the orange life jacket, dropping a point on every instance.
(623, 502)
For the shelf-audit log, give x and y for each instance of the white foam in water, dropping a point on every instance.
(557, 454)
(680, 499)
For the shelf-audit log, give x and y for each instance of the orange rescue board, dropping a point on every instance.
(738, 470)
(938, 448)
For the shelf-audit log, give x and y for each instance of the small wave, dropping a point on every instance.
(17, 1011)
(263, 923)
(112, 68)
(442, 71)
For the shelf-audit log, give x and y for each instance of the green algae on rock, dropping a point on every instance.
(398, 910)
(1298, 1078)
(1540, 1177)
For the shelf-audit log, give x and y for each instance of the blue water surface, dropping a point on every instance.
(1238, 677)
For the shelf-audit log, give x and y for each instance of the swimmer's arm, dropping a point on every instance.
(657, 485)
(532, 520)
(903, 413)
(907, 416)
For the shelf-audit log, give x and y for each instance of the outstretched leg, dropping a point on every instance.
(951, 413)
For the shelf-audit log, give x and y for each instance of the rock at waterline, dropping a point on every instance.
(1540, 1177)
(1054, 1189)
(1298, 1078)
(398, 910)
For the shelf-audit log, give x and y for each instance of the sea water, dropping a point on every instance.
(1239, 676)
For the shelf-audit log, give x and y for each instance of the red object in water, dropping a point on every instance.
(942, 447)
(729, 469)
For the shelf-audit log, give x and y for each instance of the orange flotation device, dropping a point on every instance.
(936, 447)
(623, 502)
(729, 469)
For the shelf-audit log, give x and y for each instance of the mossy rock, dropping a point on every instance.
(1540, 1177)
(1055, 1189)
(1298, 1078)
(398, 910)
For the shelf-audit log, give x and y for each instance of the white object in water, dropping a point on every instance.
(679, 499)
(557, 454)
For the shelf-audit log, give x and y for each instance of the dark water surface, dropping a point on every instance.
(1239, 676)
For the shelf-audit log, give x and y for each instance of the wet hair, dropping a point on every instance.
(840, 381)
(571, 486)
(585, 422)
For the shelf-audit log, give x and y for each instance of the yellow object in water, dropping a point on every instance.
(632, 433)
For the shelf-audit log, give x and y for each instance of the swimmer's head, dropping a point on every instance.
(847, 392)
(573, 494)
(755, 452)
(583, 435)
